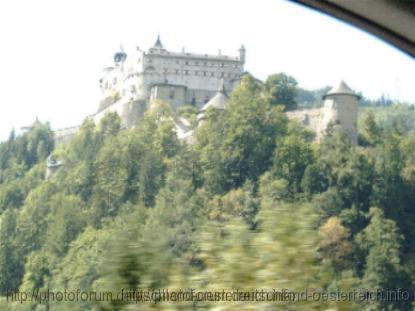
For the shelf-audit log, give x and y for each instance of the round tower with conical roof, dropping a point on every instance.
(340, 108)
(216, 102)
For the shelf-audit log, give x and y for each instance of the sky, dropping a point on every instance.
(53, 52)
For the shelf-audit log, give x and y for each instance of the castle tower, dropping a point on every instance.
(340, 108)
(158, 44)
(52, 166)
(217, 102)
(120, 57)
(242, 54)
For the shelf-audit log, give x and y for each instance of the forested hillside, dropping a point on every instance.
(253, 203)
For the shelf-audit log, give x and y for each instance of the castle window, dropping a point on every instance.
(177, 62)
(205, 63)
(133, 89)
(196, 63)
(196, 72)
(114, 81)
(186, 72)
(177, 71)
(171, 93)
(222, 65)
(212, 74)
(205, 73)
(186, 63)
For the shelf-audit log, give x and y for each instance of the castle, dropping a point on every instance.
(202, 80)
(136, 79)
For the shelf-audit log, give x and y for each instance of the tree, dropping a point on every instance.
(237, 144)
(334, 244)
(65, 221)
(10, 270)
(279, 254)
(32, 221)
(382, 241)
(282, 90)
(236, 203)
(110, 125)
(157, 129)
(176, 216)
(371, 132)
(293, 155)
(343, 172)
(391, 192)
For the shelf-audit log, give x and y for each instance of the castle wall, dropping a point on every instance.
(173, 94)
(63, 136)
(129, 111)
(199, 97)
(310, 118)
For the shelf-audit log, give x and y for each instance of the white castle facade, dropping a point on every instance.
(178, 78)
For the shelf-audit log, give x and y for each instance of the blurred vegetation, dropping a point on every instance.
(253, 203)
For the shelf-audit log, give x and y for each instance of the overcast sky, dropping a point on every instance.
(52, 52)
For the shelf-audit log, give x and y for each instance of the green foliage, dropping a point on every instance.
(282, 90)
(382, 241)
(293, 155)
(189, 112)
(67, 220)
(254, 202)
(371, 133)
(279, 254)
(334, 244)
(18, 154)
(382, 101)
(110, 125)
(237, 145)
(313, 98)
(10, 271)
(239, 202)
(180, 212)
(344, 173)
